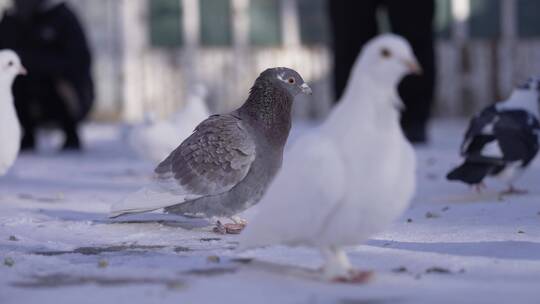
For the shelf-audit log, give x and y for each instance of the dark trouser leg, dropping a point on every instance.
(69, 126)
(72, 136)
(60, 113)
(23, 106)
(353, 24)
(415, 23)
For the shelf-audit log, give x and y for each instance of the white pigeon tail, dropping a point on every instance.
(155, 139)
(10, 129)
(352, 176)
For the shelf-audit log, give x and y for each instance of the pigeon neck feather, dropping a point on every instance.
(7, 108)
(269, 108)
(375, 100)
(366, 106)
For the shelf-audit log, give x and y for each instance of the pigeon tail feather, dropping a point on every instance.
(145, 200)
(470, 173)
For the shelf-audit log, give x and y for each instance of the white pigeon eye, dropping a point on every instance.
(10, 63)
(385, 53)
(291, 80)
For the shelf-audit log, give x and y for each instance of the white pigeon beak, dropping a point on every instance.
(413, 66)
(306, 89)
(22, 71)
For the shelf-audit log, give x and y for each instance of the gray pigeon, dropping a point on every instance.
(225, 166)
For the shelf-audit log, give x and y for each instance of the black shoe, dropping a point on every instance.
(72, 143)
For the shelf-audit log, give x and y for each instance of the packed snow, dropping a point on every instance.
(58, 246)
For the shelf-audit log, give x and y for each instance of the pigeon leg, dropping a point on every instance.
(479, 187)
(235, 227)
(338, 268)
(514, 191)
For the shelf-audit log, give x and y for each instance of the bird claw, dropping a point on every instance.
(354, 277)
(479, 187)
(229, 228)
(514, 191)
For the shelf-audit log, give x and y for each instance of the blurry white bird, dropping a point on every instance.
(194, 111)
(154, 139)
(10, 129)
(353, 175)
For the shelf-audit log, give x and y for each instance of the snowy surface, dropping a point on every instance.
(57, 246)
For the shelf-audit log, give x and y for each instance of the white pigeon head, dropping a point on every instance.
(387, 59)
(10, 67)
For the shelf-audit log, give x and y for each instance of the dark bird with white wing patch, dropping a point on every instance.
(502, 140)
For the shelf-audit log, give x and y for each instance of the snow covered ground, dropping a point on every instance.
(57, 246)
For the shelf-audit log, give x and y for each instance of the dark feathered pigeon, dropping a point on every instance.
(225, 166)
(503, 139)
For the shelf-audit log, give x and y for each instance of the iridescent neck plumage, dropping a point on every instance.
(269, 107)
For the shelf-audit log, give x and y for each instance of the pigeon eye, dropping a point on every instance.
(385, 53)
(291, 80)
(10, 63)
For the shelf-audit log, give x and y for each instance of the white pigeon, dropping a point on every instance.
(155, 139)
(352, 176)
(10, 129)
(193, 112)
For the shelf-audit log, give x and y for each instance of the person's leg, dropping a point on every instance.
(23, 105)
(353, 23)
(59, 112)
(415, 23)
(69, 126)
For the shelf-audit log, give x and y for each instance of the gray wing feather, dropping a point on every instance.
(213, 159)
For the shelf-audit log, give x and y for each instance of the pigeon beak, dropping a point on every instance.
(22, 71)
(306, 89)
(413, 66)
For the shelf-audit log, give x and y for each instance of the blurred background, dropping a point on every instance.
(149, 54)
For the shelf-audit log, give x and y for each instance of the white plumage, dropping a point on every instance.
(154, 139)
(10, 129)
(352, 176)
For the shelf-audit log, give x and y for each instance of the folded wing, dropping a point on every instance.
(211, 161)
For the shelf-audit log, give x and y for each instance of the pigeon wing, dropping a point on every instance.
(480, 143)
(516, 133)
(211, 161)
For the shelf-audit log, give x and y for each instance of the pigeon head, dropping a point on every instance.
(533, 84)
(287, 79)
(269, 104)
(387, 59)
(531, 88)
(10, 67)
